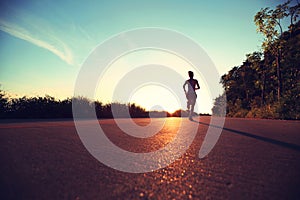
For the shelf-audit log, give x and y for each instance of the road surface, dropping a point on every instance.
(253, 159)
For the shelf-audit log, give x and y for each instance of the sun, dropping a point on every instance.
(155, 97)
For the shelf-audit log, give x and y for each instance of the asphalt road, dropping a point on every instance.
(253, 159)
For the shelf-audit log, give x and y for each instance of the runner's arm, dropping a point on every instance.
(197, 87)
(184, 86)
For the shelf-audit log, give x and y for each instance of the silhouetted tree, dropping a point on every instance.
(3, 103)
(267, 21)
(267, 84)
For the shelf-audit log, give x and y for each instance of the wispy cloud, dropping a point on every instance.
(58, 47)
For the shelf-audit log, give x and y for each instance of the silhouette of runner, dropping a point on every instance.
(190, 94)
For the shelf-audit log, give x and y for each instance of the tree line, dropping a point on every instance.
(267, 83)
(48, 107)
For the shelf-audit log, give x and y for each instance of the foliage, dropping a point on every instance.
(3, 103)
(267, 84)
(48, 107)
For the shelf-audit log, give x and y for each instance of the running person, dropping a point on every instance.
(190, 94)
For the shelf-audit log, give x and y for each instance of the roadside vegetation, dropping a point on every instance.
(267, 83)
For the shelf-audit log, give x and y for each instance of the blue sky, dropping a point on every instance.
(44, 42)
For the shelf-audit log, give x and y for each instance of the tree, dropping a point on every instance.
(294, 12)
(267, 22)
(3, 103)
(251, 87)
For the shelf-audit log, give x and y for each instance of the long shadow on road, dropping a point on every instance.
(265, 139)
